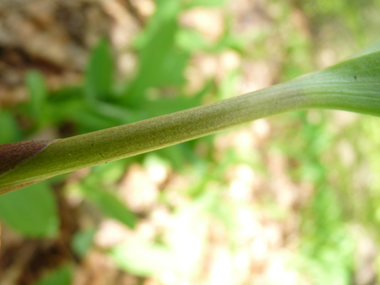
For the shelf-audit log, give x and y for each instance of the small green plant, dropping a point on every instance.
(353, 85)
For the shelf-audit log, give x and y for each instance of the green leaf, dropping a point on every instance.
(10, 131)
(82, 241)
(204, 3)
(143, 259)
(109, 203)
(164, 106)
(161, 63)
(99, 73)
(191, 41)
(38, 94)
(60, 276)
(31, 211)
(177, 155)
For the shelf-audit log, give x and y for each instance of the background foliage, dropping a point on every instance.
(291, 199)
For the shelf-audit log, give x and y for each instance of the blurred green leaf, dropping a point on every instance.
(161, 63)
(67, 93)
(32, 211)
(99, 73)
(191, 41)
(88, 120)
(204, 3)
(163, 106)
(143, 259)
(327, 248)
(227, 88)
(166, 10)
(60, 276)
(108, 202)
(10, 131)
(82, 241)
(110, 173)
(64, 104)
(35, 82)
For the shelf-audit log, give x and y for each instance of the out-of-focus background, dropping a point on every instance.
(291, 199)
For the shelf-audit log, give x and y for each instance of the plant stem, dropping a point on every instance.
(66, 155)
(352, 86)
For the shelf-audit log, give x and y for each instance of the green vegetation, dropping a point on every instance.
(312, 151)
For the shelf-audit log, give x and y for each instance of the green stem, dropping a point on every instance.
(66, 155)
(340, 87)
